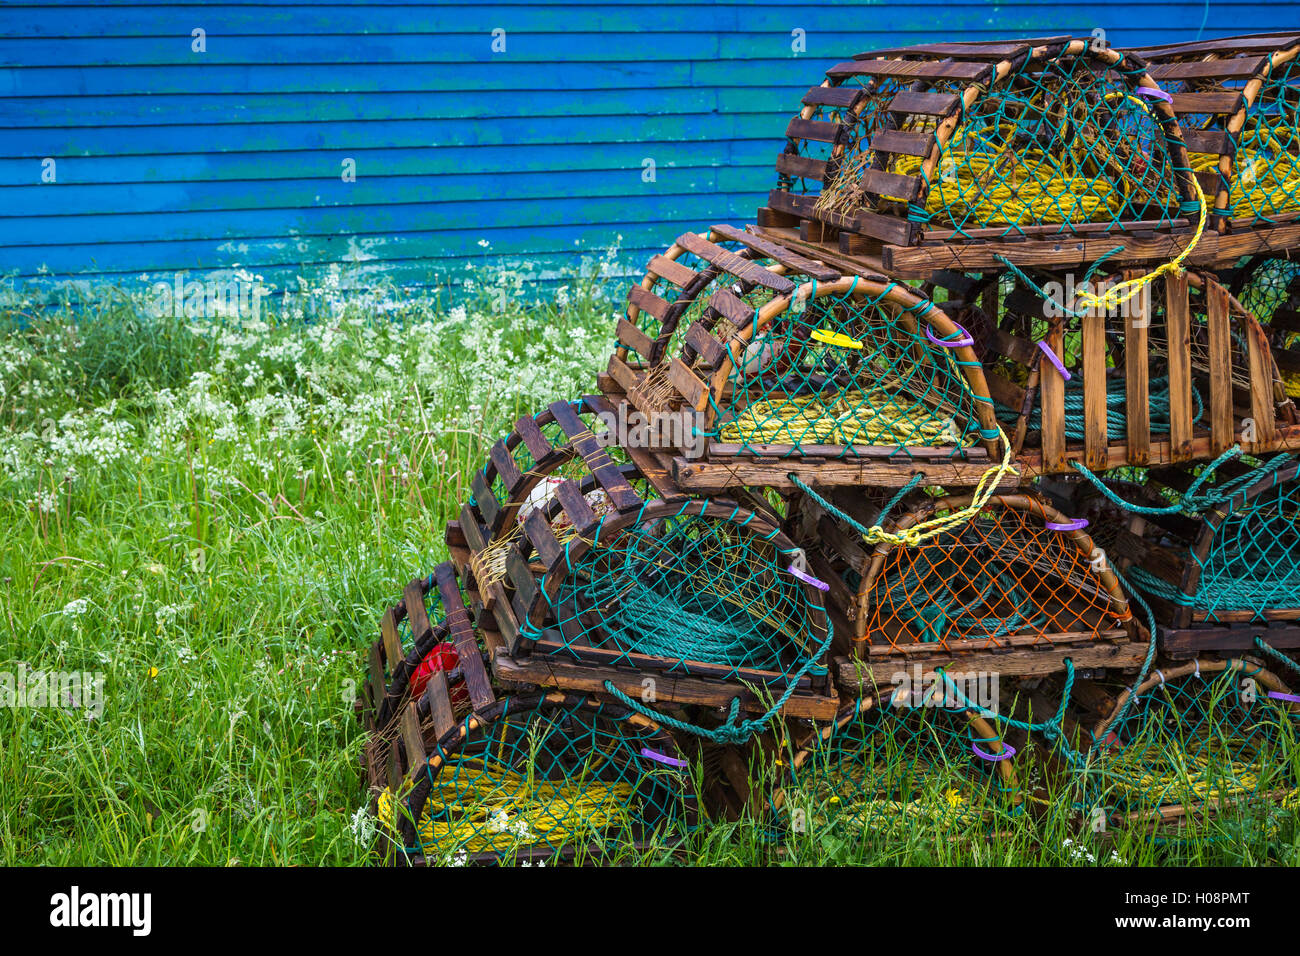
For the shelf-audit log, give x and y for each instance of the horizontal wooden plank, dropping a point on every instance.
(929, 69)
(804, 167)
(840, 97)
(925, 104)
(794, 261)
(903, 142)
(819, 131)
(1214, 102)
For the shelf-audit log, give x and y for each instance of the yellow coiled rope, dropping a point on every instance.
(1266, 178)
(855, 418)
(491, 808)
(1161, 770)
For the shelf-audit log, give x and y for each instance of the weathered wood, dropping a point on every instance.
(855, 675)
(668, 688)
(839, 97)
(786, 257)
(413, 740)
(1179, 338)
(805, 167)
(1137, 405)
(438, 700)
(1095, 437)
(703, 477)
(1182, 643)
(819, 131)
(672, 270)
(392, 643)
(1219, 343)
(1052, 400)
(462, 633)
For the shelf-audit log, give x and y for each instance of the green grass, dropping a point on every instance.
(211, 513)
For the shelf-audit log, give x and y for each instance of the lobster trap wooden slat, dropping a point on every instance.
(437, 699)
(730, 262)
(462, 633)
(1095, 438)
(672, 270)
(840, 96)
(1220, 346)
(1137, 388)
(791, 260)
(1178, 321)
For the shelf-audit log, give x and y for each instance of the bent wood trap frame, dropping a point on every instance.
(1195, 740)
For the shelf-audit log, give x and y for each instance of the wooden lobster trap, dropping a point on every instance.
(835, 380)
(612, 580)
(1104, 387)
(424, 671)
(1203, 738)
(890, 767)
(1238, 103)
(1224, 575)
(1013, 588)
(946, 156)
(536, 777)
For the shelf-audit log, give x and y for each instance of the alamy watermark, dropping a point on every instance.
(1070, 297)
(54, 690)
(207, 299)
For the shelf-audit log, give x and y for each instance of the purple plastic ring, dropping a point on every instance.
(1073, 525)
(1152, 93)
(963, 341)
(1052, 357)
(1278, 695)
(807, 578)
(1008, 752)
(664, 758)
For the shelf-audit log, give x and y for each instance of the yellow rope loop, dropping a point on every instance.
(984, 490)
(1121, 292)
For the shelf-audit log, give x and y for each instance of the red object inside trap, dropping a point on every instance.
(441, 657)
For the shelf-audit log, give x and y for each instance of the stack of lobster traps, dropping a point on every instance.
(968, 466)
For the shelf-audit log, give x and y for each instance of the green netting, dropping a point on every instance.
(1060, 141)
(1212, 735)
(546, 774)
(848, 370)
(691, 588)
(1254, 558)
(1265, 182)
(1270, 284)
(895, 768)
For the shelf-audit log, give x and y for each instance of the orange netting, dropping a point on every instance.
(1016, 574)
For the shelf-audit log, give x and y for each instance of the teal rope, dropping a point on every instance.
(1116, 419)
(902, 493)
(730, 731)
(1190, 502)
(1043, 294)
(1144, 580)
(1276, 655)
(856, 526)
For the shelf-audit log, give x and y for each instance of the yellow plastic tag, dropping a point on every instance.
(837, 339)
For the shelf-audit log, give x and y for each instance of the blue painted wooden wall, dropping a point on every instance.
(168, 159)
